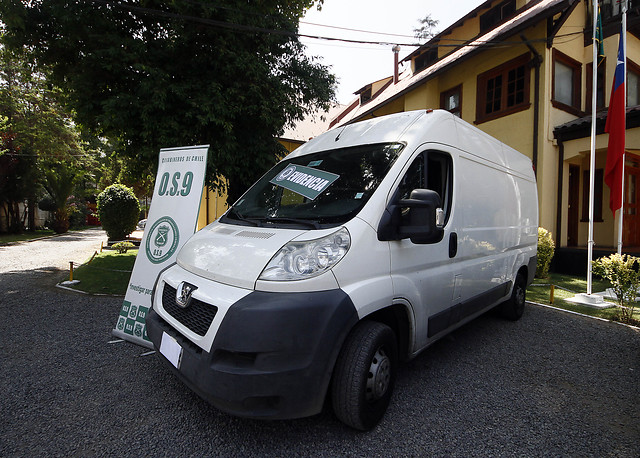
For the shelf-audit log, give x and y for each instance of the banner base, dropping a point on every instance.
(132, 339)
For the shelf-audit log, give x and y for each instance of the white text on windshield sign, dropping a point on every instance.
(305, 181)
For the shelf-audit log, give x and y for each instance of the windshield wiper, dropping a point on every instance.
(304, 222)
(237, 215)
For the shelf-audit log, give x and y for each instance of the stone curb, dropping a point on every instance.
(582, 314)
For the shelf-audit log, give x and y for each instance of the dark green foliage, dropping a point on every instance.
(59, 179)
(47, 204)
(78, 212)
(119, 209)
(149, 74)
(39, 145)
(426, 30)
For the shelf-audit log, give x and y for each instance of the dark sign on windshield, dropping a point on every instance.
(306, 181)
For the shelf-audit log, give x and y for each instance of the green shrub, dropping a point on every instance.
(47, 204)
(118, 208)
(546, 248)
(122, 247)
(619, 270)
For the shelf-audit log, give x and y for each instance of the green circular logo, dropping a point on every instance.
(162, 240)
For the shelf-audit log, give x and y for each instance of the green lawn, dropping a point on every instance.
(567, 286)
(108, 273)
(9, 238)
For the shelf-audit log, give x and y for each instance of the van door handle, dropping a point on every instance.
(453, 245)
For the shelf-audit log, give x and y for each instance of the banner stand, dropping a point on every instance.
(172, 219)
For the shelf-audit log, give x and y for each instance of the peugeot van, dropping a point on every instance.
(356, 252)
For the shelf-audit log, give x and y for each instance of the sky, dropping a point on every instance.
(356, 65)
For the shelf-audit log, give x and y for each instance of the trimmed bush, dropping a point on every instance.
(122, 247)
(546, 248)
(118, 208)
(624, 277)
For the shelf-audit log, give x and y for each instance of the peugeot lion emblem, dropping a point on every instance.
(183, 294)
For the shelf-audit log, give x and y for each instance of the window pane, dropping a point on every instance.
(563, 84)
(452, 101)
(494, 94)
(515, 86)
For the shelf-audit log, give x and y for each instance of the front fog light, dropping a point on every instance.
(300, 260)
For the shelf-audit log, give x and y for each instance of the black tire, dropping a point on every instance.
(513, 308)
(364, 375)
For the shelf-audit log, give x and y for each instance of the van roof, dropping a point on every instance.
(415, 128)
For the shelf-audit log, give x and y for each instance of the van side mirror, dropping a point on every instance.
(423, 223)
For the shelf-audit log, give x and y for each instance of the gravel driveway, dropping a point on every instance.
(52, 252)
(551, 384)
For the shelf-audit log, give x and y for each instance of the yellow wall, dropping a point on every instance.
(424, 96)
(470, 28)
(375, 87)
(395, 106)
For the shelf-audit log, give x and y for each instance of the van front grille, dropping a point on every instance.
(198, 316)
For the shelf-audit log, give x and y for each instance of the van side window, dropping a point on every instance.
(413, 179)
(430, 170)
(440, 178)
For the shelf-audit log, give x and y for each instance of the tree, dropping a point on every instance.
(60, 179)
(426, 29)
(149, 74)
(36, 136)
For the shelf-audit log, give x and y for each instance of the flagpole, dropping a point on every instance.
(624, 47)
(592, 164)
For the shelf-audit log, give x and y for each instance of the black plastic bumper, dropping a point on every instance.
(273, 354)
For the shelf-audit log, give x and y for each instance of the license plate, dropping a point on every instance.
(171, 349)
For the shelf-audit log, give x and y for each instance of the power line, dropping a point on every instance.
(247, 28)
(358, 30)
(227, 8)
(241, 27)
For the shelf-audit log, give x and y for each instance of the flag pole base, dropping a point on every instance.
(591, 300)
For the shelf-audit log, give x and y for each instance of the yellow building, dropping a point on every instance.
(521, 70)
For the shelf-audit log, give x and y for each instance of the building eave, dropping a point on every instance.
(537, 11)
(581, 127)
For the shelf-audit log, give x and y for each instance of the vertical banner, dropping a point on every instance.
(172, 220)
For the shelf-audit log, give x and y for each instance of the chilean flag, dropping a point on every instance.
(615, 126)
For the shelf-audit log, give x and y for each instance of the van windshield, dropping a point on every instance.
(316, 190)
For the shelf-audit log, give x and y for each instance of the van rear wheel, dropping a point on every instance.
(513, 308)
(364, 375)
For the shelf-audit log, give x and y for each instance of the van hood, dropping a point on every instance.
(233, 255)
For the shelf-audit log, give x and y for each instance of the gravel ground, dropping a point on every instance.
(551, 384)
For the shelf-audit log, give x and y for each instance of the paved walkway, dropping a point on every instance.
(51, 252)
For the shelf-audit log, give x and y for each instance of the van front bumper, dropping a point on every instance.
(272, 356)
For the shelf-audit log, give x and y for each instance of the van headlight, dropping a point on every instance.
(300, 260)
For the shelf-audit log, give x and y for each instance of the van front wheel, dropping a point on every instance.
(364, 375)
(513, 308)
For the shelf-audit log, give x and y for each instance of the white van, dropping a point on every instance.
(358, 250)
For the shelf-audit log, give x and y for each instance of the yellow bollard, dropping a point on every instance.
(101, 246)
(551, 291)
(70, 270)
